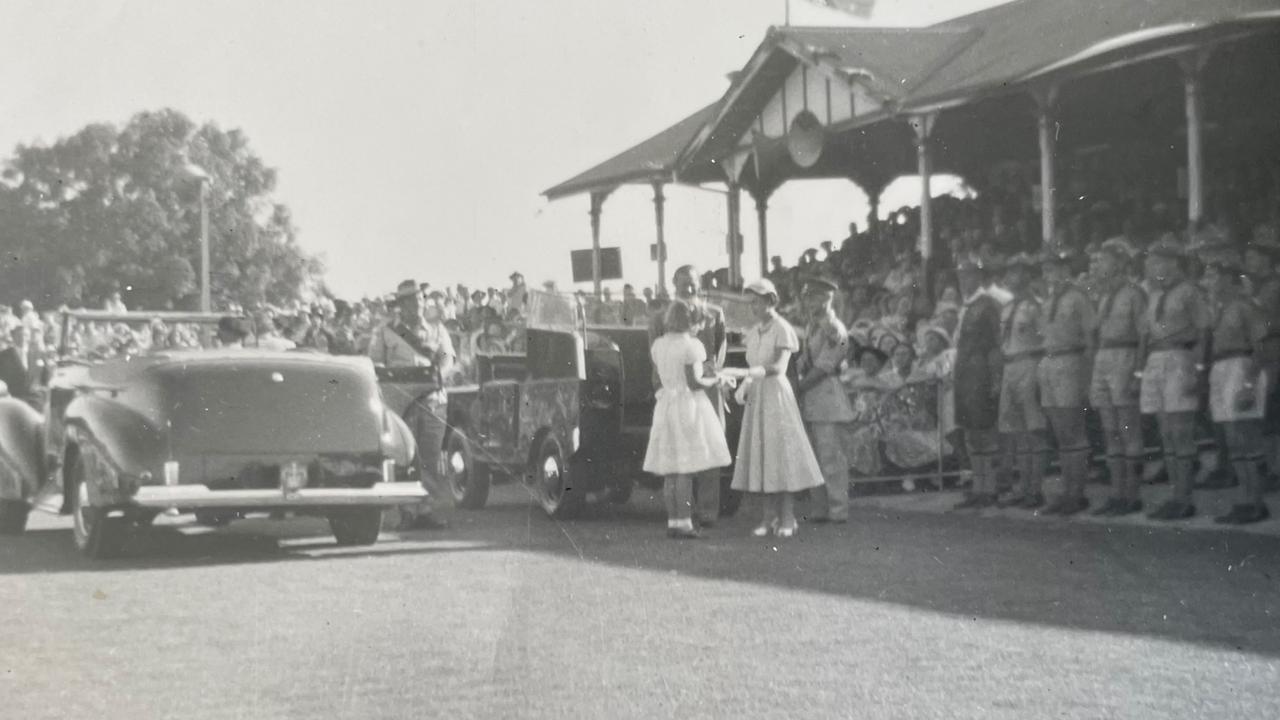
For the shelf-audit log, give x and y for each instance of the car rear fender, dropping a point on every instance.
(128, 438)
(22, 465)
(398, 443)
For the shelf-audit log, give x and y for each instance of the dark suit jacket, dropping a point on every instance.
(978, 365)
(14, 373)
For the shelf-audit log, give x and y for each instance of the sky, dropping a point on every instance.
(413, 139)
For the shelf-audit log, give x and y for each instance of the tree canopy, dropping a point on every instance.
(116, 209)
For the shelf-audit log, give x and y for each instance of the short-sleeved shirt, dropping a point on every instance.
(1177, 316)
(766, 339)
(671, 354)
(1120, 314)
(1237, 328)
(826, 344)
(1068, 321)
(1020, 327)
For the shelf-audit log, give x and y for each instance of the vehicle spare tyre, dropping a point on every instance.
(553, 483)
(356, 526)
(468, 480)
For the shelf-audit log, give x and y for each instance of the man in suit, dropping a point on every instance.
(979, 362)
(706, 484)
(13, 363)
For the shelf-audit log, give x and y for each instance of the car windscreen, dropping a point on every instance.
(265, 407)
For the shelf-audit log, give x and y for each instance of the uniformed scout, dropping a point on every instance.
(1237, 382)
(1068, 327)
(977, 380)
(824, 404)
(1259, 261)
(1021, 421)
(1113, 389)
(417, 338)
(1175, 339)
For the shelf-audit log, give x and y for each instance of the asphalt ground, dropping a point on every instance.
(898, 614)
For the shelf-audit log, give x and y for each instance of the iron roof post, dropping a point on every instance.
(1192, 64)
(1046, 98)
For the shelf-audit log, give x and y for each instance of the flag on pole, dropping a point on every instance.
(858, 8)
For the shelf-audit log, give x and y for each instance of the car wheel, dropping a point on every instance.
(553, 484)
(13, 516)
(356, 526)
(730, 499)
(468, 481)
(97, 536)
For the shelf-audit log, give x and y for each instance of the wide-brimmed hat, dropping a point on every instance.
(1167, 246)
(407, 289)
(1021, 259)
(762, 287)
(1058, 255)
(1120, 247)
(818, 284)
(940, 332)
(515, 275)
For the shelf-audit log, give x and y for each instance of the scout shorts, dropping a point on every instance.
(1227, 382)
(1167, 383)
(1113, 383)
(1019, 398)
(1062, 381)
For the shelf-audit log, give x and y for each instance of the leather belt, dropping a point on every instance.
(1119, 345)
(1063, 352)
(1024, 355)
(1231, 354)
(1169, 345)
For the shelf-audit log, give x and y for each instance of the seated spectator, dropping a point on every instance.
(492, 339)
(635, 312)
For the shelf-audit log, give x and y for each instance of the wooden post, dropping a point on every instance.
(923, 126)
(762, 221)
(1192, 64)
(659, 202)
(1046, 99)
(733, 240)
(597, 201)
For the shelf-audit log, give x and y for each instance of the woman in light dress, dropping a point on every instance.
(686, 436)
(774, 454)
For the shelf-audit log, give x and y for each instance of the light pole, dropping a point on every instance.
(200, 176)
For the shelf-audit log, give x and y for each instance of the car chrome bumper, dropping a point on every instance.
(200, 496)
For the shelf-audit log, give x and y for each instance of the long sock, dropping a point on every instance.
(1119, 470)
(1134, 478)
(1180, 477)
(1247, 471)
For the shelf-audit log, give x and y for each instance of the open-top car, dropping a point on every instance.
(140, 419)
(570, 416)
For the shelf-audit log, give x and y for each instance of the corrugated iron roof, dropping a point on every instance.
(653, 159)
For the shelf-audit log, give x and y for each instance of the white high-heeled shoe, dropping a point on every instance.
(763, 529)
(786, 531)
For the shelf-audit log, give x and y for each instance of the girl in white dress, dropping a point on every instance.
(686, 436)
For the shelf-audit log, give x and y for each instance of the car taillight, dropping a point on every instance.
(171, 472)
(388, 470)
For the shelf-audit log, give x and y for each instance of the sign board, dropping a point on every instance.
(653, 252)
(610, 264)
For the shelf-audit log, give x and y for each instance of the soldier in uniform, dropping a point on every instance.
(1021, 421)
(1259, 260)
(1237, 381)
(1068, 326)
(977, 380)
(712, 335)
(1175, 340)
(1113, 390)
(824, 404)
(418, 338)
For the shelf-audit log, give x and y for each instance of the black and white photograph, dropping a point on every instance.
(614, 359)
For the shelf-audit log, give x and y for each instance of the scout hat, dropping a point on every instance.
(762, 287)
(940, 332)
(1057, 255)
(1022, 259)
(406, 289)
(819, 285)
(1167, 246)
(1119, 247)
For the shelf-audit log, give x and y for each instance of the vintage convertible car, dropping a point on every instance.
(134, 427)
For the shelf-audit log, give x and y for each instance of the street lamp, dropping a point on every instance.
(199, 174)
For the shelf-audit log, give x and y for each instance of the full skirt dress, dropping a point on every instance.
(686, 436)
(774, 453)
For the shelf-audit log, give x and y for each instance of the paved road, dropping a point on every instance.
(896, 615)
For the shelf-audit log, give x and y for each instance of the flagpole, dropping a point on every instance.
(787, 18)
